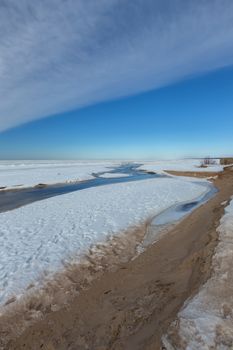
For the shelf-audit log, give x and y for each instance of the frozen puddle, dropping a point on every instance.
(163, 221)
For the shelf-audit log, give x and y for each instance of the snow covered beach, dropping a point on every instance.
(37, 239)
(138, 299)
(40, 236)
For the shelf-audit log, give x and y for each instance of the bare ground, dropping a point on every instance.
(200, 174)
(131, 307)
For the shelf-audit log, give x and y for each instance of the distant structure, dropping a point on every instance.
(207, 161)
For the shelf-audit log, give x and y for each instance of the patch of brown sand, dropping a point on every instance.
(199, 174)
(131, 308)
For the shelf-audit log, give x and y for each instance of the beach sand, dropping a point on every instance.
(192, 173)
(131, 306)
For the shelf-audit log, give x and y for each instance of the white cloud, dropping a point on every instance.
(57, 55)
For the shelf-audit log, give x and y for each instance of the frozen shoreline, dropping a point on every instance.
(139, 297)
(44, 235)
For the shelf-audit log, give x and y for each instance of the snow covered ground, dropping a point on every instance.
(180, 165)
(206, 321)
(31, 173)
(37, 238)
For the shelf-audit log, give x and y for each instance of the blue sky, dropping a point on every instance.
(190, 118)
(143, 78)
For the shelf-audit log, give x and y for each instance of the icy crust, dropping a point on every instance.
(113, 175)
(32, 173)
(180, 165)
(37, 239)
(206, 321)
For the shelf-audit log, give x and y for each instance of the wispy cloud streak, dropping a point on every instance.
(57, 55)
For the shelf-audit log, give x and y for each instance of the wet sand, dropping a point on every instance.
(131, 307)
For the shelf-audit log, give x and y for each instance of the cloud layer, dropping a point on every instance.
(58, 55)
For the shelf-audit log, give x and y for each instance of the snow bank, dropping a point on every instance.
(206, 321)
(37, 238)
(180, 165)
(31, 173)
